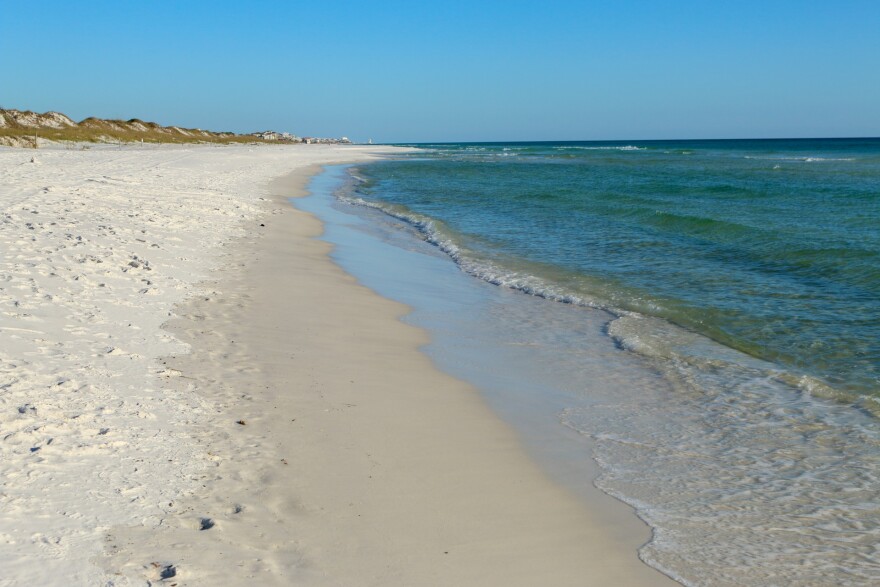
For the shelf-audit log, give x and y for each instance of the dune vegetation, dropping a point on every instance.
(23, 128)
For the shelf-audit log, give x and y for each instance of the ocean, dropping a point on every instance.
(705, 313)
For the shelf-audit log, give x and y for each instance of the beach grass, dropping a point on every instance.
(96, 130)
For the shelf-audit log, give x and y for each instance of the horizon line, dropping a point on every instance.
(489, 142)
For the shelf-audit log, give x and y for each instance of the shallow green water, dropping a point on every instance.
(770, 247)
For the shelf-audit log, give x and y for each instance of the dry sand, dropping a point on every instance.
(283, 428)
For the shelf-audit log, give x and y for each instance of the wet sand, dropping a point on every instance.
(359, 463)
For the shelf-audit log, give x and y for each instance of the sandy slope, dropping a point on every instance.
(96, 248)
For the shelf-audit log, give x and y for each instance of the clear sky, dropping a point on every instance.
(399, 71)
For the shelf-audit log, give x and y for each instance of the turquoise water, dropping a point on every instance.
(717, 341)
(769, 247)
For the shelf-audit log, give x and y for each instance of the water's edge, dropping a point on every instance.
(722, 459)
(447, 303)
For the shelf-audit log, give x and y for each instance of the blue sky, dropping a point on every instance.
(454, 71)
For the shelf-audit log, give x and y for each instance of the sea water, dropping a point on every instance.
(706, 313)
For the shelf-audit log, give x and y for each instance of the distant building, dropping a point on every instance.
(268, 135)
(286, 137)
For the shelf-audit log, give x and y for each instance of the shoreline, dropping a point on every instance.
(282, 427)
(377, 467)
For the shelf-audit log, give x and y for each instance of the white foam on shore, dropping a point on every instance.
(97, 247)
(436, 234)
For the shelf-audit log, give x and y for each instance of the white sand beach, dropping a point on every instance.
(193, 393)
